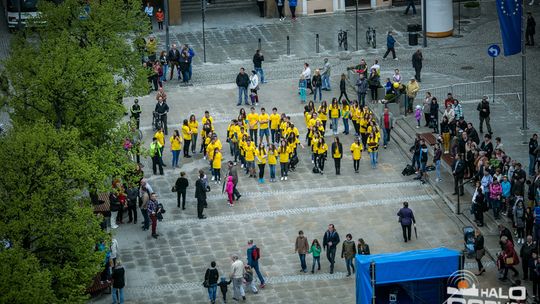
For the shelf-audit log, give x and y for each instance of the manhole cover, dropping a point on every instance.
(467, 67)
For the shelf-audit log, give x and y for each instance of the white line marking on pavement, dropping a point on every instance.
(334, 206)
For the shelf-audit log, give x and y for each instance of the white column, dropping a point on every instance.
(373, 4)
(304, 7)
(440, 18)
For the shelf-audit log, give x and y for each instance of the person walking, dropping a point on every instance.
(387, 124)
(533, 153)
(361, 89)
(160, 17)
(260, 4)
(484, 112)
(258, 59)
(301, 247)
(280, 4)
(153, 210)
(509, 258)
(253, 256)
(119, 282)
(410, 3)
(306, 75)
(479, 250)
(525, 253)
(458, 170)
(315, 251)
(337, 154)
(211, 280)
(292, 7)
(181, 185)
(325, 74)
(390, 43)
(373, 149)
(236, 276)
(406, 219)
(242, 81)
(530, 29)
(149, 12)
(155, 154)
(234, 173)
(200, 194)
(417, 59)
(330, 242)
(316, 82)
(348, 251)
(254, 88)
(363, 248)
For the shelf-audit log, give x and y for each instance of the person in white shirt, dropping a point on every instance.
(254, 87)
(306, 73)
(377, 67)
(237, 276)
(149, 11)
(114, 251)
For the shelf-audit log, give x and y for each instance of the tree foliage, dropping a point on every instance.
(65, 83)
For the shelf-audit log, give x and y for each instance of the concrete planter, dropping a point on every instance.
(470, 12)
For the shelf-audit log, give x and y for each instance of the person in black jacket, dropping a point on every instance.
(258, 58)
(343, 88)
(200, 195)
(174, 59)
(119, 282)
(330, 242)
(162, 108)
(242, 81)
(479, 250)
(337, 154)
(533, 151)
(483, 108)
(211, 281)
(530, 30)
(406, 219)
(417, 64)
(223, 287)
(434, 114)
(458, 170)
(181, 185)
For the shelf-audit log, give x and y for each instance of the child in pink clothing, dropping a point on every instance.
(229, 188)
(418, 115)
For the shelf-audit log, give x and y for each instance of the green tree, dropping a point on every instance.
(45, 212)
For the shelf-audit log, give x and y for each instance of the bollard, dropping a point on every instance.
(288, 46)
(317, 43)
(259, 43)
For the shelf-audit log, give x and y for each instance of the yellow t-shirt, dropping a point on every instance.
(210, 118)
(284, 155)
(307, 117)
(185, 132)
(176, 143)
(274, 121)
(323, 113)
(160, 136)
(194, 126)
(253, 119)
(336, 153)
(334, 112)
(345, 112)
(210, 148)
(250, 151)
(322, 148)
(372, 144)
(216, 161)
(262, 118)
(272, 157)
(356, 150)
(261, 156)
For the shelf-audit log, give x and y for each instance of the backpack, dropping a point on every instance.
(256, 254)
(316, 170)
(409, 170)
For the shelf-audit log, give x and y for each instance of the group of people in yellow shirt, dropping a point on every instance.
(367, 133)
(242, 138)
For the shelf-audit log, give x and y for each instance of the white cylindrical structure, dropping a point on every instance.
(439, 19)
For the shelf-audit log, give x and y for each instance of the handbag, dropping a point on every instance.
(173, 189)
(205, 284)
(509, 261)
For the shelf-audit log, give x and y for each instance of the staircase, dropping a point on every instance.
(195, 5)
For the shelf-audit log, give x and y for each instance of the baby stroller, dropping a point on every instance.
(468, 237)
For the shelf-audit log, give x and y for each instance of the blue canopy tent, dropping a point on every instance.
(417, 265)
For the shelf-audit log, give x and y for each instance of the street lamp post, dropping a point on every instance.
(167, 39)
(424, 21)
(357, 25)
(459, 21)
(523, 68)
(203, 9)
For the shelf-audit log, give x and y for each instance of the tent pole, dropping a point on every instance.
(373, 282)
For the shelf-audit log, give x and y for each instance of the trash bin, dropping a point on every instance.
(413, 38)
(414, 27)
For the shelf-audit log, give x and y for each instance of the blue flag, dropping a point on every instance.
(510, 14)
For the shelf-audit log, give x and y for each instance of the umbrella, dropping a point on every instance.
(415, 232)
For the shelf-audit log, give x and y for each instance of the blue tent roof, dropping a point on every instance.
(403, 266)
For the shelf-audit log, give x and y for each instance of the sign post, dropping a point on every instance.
(493, 51)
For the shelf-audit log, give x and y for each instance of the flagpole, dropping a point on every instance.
(523, 68)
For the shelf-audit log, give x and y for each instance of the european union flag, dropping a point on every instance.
(510, 14)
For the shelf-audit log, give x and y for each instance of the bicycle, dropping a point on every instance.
(371, 37)
(157, 120)
(342, 39)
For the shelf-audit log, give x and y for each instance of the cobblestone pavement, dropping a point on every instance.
(170, 269)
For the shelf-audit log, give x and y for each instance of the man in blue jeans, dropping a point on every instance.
(258, 58)
(325, 73)
(330, 242)
(242, 81)
(387, 123)
(301, 246)
(253, 255)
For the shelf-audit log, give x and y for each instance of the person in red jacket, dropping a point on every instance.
(160, 17)
(509, 258)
